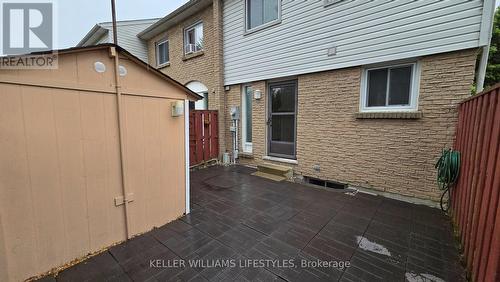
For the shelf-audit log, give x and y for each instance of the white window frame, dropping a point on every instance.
(185, 35)
(246, 146)
(327, 3)
(414, 89)
(157, 52)
(203, 103)
(262, 26)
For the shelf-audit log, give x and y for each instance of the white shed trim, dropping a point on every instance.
(186, 149)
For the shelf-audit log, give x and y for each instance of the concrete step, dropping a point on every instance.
(269, 176)
(277, 170)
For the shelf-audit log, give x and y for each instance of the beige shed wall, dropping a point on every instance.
(60, 161)
(390, 155)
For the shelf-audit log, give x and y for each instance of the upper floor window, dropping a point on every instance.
(390, 88)
(162, 57)
(193, 38)
(260, 13)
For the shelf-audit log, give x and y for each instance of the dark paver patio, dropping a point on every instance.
(238, 217)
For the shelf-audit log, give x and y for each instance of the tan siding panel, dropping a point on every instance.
(60, 163)
(134, 140)
(113, 170)
(45, 175)
(71, 162)
(19, 239)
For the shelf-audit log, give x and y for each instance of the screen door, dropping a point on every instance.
(282, 119)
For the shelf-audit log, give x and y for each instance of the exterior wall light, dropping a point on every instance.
(257, 94)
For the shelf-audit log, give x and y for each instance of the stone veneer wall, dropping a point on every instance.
(390, 155)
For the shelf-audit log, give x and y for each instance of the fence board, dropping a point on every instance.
(203, 136)
(475, 198)
(473, 249)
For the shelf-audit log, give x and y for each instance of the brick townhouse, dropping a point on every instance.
(362, 93)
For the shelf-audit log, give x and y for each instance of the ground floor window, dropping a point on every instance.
(246, 118)
(389, 88)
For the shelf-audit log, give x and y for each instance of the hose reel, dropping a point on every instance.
(448, 170)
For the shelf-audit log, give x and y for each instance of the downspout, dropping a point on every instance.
(485, 40)
(121, 139)
(483, 64)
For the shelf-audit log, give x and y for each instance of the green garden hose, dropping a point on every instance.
(448, 169)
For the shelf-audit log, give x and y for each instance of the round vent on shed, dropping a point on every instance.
(99, 67)
(122, 70)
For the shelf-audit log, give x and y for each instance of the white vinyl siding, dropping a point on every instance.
(104, 39)
(127, 38)
(363, 32)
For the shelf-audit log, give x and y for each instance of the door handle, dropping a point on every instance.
(269, 122)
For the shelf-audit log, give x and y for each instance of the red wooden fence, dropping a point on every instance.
(475, 198)
(203, 136)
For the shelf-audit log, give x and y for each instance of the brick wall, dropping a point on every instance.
(391, 155)
(205, 68)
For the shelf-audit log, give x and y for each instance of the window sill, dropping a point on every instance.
(327, 3)
(281, 160)
(261, 27)
(192, 55)
(389, 115)
(163, 66)
(245, 155)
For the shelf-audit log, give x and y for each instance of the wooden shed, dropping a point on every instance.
(88, 157)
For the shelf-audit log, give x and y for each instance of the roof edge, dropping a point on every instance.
(90, 34)
(131, 22)
(156, 71)
(163, 23)
(122, 51)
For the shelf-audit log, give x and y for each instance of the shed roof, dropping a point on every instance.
(129, 55)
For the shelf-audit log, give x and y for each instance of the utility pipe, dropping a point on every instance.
(113, 15)
(121, 138)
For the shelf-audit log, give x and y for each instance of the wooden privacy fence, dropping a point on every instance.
(475, 198)
(203, 136)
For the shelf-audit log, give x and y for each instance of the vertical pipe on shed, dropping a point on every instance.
(113, 16)
(121, 140)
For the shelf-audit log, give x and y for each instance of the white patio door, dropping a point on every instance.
(246, 118)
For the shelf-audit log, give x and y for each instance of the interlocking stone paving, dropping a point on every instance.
(238, 218)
